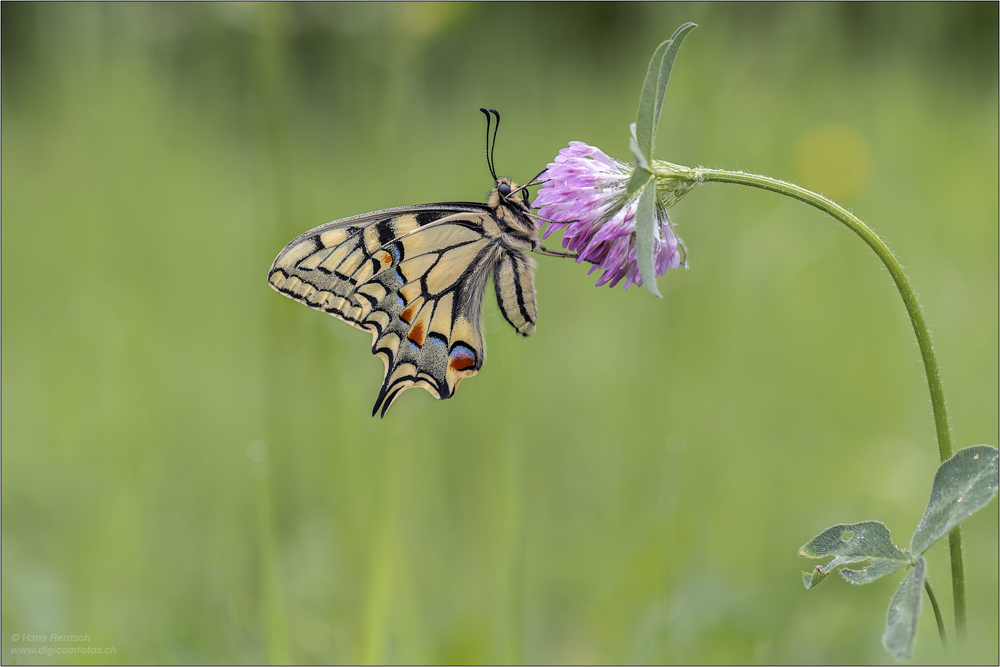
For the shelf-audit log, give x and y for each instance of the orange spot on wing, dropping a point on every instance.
(417, 333)
(462, 363)
(461, 360)
(407, 315)
(385, 258)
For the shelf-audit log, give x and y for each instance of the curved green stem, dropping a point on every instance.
(937, 614)
(670, 173)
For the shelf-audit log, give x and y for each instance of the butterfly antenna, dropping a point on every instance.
(493, 148)
(489, 160)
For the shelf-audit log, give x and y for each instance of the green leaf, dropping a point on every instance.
(963, 484)
(813, 578)
(640, 160)
(904, 613)
(653, 89)
(642, 172)
(867, 542)
(645, 221)
(639, 178)
(666, 65)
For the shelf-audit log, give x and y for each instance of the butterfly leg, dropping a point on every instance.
(542, 250)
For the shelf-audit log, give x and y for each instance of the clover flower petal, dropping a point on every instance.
(585, 195)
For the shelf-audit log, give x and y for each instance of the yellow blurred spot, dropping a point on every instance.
(423, 20)
(834, 160)
(257, 450)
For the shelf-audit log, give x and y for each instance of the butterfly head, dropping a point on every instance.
(511, 205)
(507, 193)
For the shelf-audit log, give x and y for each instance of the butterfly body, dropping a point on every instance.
(414, 277)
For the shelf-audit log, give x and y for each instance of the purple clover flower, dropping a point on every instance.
(585, 193)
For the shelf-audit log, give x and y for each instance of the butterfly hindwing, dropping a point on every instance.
(414, 278)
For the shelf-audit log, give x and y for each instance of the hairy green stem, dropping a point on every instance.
(937, 613)
(670, 173)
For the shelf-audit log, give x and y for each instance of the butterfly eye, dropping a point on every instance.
(504, 190)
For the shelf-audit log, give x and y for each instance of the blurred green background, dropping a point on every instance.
(190, 471)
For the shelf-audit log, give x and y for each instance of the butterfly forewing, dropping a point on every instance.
(414, 278)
